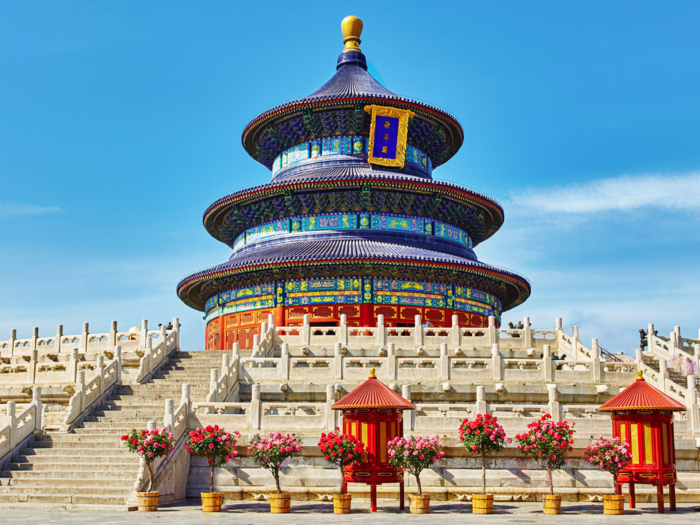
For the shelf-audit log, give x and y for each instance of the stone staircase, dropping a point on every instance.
(653, 363)
(90, 466)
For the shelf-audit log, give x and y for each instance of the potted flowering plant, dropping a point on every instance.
(547, 442)
(149, 445)
(480, 436)
(341, 450)
(270, 452)
(218, 447)
(613, 456)
(412, 456)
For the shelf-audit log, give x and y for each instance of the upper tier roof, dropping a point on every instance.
(640, 395)
(337, 109)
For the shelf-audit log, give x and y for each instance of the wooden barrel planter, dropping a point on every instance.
(341, 503)
(419, 504)
(551, 504)
(613, 504)
(148, 501)
(482, 503)
(212, 501)
(280, 503)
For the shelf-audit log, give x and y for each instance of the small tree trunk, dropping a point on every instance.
(150, 477)
(342, 480)
(211, 479)
(549, 481)
(277, 480)
(420, 489)
(483, 470)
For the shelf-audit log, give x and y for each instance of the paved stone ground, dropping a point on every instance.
(307, 514)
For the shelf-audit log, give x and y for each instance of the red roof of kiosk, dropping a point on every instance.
(373, 394)
(641, 396)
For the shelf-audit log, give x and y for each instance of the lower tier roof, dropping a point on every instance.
(350, 258)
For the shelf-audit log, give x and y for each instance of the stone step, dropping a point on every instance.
(106, 490)
(116, 444)
(124, 406)
(72, 438)
(115, 417)
(39, 476)
(68, 460)
(126, 412)
(113, 428)
(126, 482)
(63, 501)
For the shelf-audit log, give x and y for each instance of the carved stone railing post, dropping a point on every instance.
(35, 337)
(343, 335)
(149, 352)
(33, 365)
(444, 363)
(13, 342)
(112, 338)
(691, 399)
(559, 324)
(596, 366)
(162, 336)
(168, 420)
(11, 422)
(338, 361)
(330, 413)
(255, 352)
(481, 406)
(81, 389)
(673, 343)
(492, 331)
(381, 331)
(547, 364)
(38, 410)
(696, 355)
(418, 331)
(496, 362)
(285, 362)
(574, 344)
(176, 329)
(638, 357)
(527, 335)
(456, 332)
(144, 333)
(213, 386)
(650, 337)
(306, 331)
(73, 364)
(554, 408)
(58, 344)
(391, 361)
(84, 337)
(185, 398)
(409, 416)
(263, 339)
(663, 375)
(101, 373)
(118, 358)
(255, 407)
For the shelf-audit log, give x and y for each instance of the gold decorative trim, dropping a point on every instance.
(403, 115)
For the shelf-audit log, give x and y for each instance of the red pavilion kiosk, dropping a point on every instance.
(643, 416)
(373, 413)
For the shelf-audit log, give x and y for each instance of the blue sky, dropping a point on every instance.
(120, 122)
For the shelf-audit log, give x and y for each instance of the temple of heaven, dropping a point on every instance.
(352, 221)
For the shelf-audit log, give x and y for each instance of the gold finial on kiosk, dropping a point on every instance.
(351, 26)
(371, 372)
(640, 373)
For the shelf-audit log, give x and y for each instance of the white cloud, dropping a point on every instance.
(624, 193)
(16, 208)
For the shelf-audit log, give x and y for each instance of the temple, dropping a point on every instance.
(352, 223)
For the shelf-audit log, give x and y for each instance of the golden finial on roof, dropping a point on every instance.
(640, 373)
(351, 26)
(371, 372)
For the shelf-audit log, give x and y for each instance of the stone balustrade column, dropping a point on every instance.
(331, 415)
(418, 332)
(163, 336)
(176, 329)
(81, 389)
(650, 336)
(213, 386)
(408, 415)
(149, 353)
(118, 358)
(151, 425)
(84, 337)
(338, 361)
(554, 408)
(144, 333)
(101, 373)
(496, 362)
(481, 406)
(112, 339)
(559, 325)
(691, 399)
(574, 343)
(263, 338)
(528, 341)
(343, 335)
(381, 331)
(39, 411)
(673, 344)
(639, 357)
(271, 321)
(255, 407)
(13, 342)
(185, 397)
(58, 344)
(696, 355)
(663, 375)
(306, 331)
(285, 362)
(547, 363)
(168, 419)
(456, 332)
(391, 361)
(73, 365)
(492, 331)
(597, 366)
(33, 365)
(11, 422)
(35, 337)
(255, 352)
(444, 363)
(235, 354)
